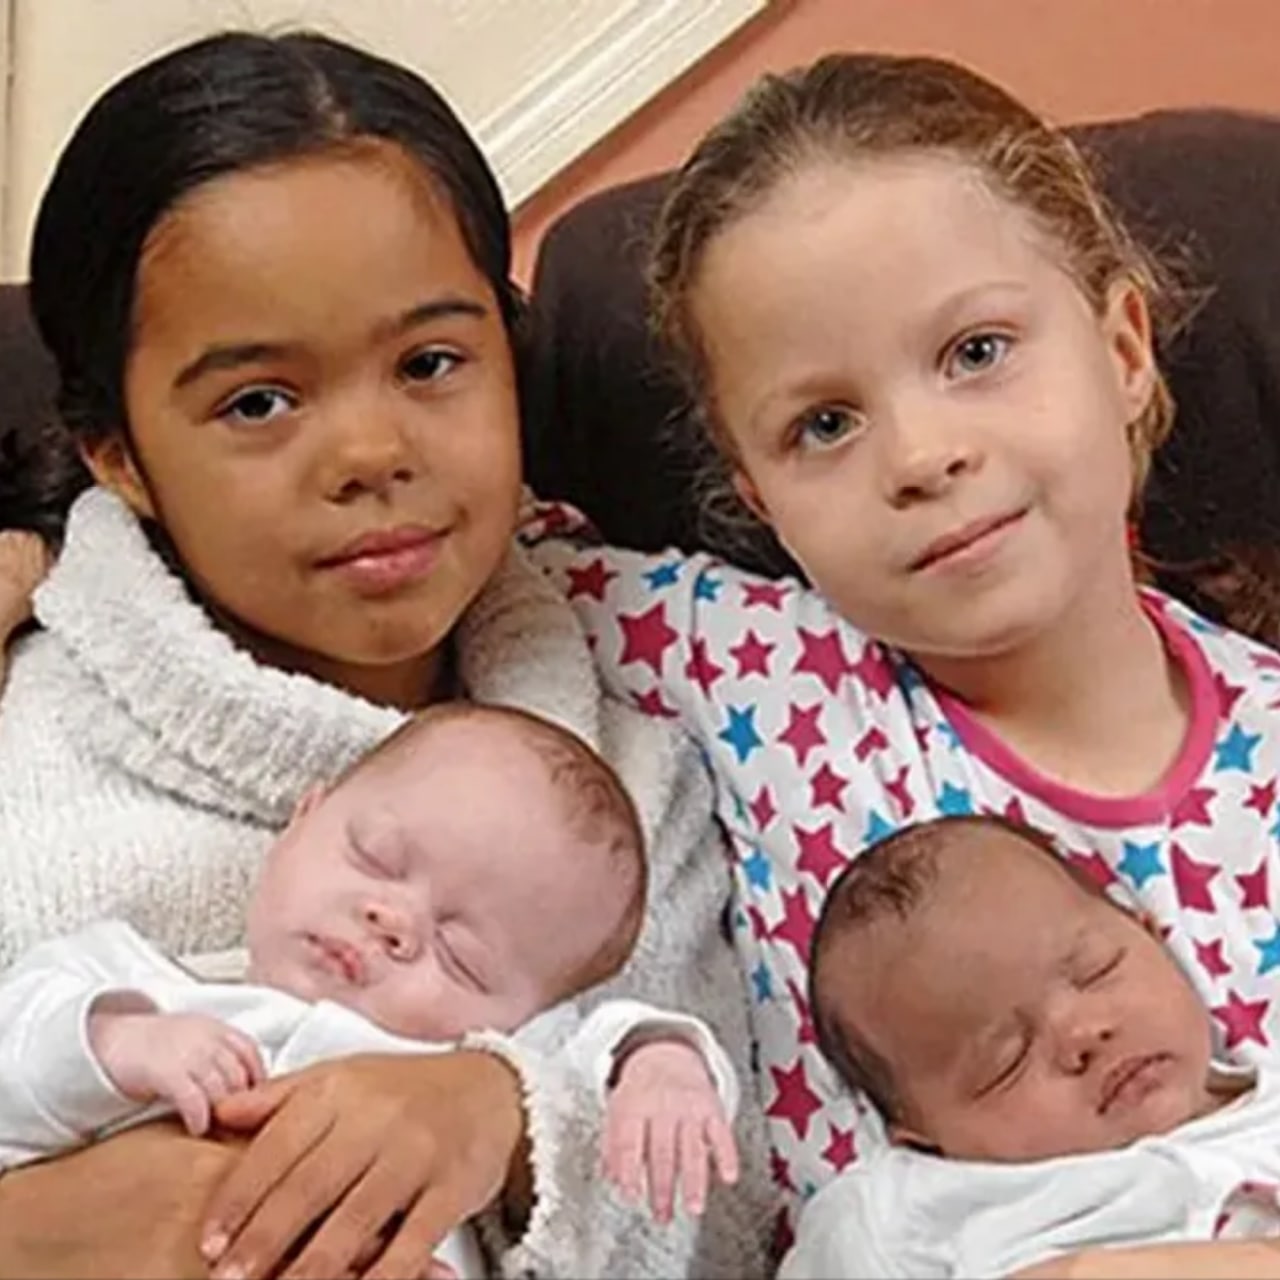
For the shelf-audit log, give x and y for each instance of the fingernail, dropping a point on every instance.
(231, 1271)
(214, 1245)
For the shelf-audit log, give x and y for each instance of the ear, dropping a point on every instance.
(1127, 327)
(112, 465)
(308, 802)
(902, 1135)
(745, 488)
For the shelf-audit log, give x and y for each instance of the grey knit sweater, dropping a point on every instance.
(146, 762)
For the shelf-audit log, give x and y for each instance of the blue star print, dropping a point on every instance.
(740, 733)
(706, 588)
(759, 875)
(762, 982)
(1235, 751)
(665, 575)
(1141, 862)
(954, 801)
(1269, 952)
(877, 829)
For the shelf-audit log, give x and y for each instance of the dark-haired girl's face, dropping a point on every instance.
(323, 414)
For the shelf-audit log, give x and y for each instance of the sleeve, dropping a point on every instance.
(55, 1095)
(593, 1048)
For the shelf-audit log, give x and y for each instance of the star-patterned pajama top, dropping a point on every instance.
(822, 741)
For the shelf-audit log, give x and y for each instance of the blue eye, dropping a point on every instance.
(429, 365)
(977, 353)
(256, 405)
(829, 425)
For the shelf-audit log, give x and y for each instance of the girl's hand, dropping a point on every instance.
(349, 1146)
(24, 560)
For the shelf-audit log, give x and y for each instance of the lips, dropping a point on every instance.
(384, 561)
(340, 958)
(384, 542)
(961, 539)
(1125, 1076)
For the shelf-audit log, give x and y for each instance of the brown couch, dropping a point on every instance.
(1204, 182)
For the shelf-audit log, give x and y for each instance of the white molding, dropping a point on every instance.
(6, 142)
(596, 85)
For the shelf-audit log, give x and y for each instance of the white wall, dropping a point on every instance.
(538, 80)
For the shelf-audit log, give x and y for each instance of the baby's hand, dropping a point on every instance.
(23, 563)
(664, 1121)
(185, 1059)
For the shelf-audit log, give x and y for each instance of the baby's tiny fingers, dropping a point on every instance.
(662, 1169)
(192, 1105)
(724, 1148)
(693, 1166)
(624, 1156)
(246, 1049)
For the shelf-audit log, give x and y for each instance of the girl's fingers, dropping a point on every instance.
(661, 1151)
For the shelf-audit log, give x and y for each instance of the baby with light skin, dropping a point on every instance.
(478, 869)
(1043, 1066)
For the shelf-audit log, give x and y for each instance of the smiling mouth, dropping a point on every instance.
(961, 540)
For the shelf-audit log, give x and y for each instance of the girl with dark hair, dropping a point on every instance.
(274, 277)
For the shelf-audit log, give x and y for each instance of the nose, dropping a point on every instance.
(926, 449)
(1081, 1032)
(394, 930)
(367, 449)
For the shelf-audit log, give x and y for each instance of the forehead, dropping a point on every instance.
(998, 912)
(329, 239)
(924, 220)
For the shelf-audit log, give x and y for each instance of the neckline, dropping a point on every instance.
(1150, 806)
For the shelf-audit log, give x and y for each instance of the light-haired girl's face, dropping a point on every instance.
(322, 413)
(922, 403)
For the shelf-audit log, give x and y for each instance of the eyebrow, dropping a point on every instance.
(234, 355)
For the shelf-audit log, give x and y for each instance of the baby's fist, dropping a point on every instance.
(185, 1059)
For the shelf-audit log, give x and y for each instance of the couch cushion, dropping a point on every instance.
(1203, 183)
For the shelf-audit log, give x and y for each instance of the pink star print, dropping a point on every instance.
(1211, 961)
(807, 1033)
(781, 1171)
(1228, 694)
(647, 637)
(1253, 886)
(766, 594)
(1262, 798)
(802, 734)
(796, 925)
(1094, 865)
(1015, 812)
(841, 1151)
(819, 855)
(1193, 808)
(827, 788)
(762, 808)
(1241, 1020)
(752, 655)
(1191, 879)
(871, 741)
(897, 788)
(796, 1102)
(873, 671)
(822, 656)
(651, 704)
(702, 668)
(591, 580)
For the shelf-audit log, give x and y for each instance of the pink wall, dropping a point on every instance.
(1075, 59)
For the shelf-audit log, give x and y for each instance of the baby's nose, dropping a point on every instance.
(393, 928)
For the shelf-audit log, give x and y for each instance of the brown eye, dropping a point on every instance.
(429, 365)
(256, 405)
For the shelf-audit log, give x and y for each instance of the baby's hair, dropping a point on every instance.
(852, 106)
(893, 877)
(598, 809)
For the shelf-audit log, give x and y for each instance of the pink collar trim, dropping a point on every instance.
(1147, 807)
